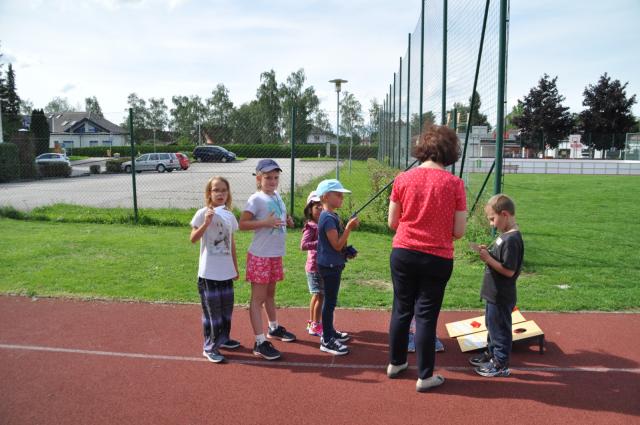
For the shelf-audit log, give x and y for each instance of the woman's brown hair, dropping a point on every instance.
(438, 143)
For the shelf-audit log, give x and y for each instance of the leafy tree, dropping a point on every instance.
(608, 115)
(220, 106)
(187, 115)
(40, 131)
(352, 121)
(58, 105)
(428, 118)
(10, 104)
(544, 121)
(26, 106)
(375, 109)
(306, 103)
(91, 105)
(268, 107)
(516, 112)
(158, 114)
(140, 116)
(247, 124)
(477, 118)
(321, 120)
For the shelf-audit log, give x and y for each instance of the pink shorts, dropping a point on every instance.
(264, 270)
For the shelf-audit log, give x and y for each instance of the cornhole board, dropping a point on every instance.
(477, 324)
(521, 332)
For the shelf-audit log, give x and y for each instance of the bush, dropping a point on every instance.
(54, 169)
(94, 169)
(115, 165)
(9, 169)
(380, 175)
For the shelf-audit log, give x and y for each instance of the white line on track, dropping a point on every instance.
(331, 365)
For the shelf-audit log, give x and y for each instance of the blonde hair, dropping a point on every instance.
(207, 191)
(259, 175)
(502, 202)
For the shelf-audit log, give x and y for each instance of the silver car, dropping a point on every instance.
(159, 162)
(48, 158)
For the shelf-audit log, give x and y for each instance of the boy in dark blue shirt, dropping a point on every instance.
(332, 240)
(503, 261)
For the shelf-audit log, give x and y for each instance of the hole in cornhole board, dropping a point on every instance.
(519, 331)
(525, 331)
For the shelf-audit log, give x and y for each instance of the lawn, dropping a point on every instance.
(581, 237)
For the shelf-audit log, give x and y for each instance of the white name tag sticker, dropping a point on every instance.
(499, 241)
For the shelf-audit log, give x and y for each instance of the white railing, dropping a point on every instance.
(555, 166)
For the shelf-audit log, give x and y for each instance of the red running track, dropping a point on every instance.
(92, 362)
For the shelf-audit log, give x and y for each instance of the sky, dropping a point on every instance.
(160, 48)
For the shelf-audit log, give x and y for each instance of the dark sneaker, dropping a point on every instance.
(439, 346)
(492, 369)
(341, 336)
(281, 333)
(213, 356)
(266, 350)
(480, 359)
(230, 344)
(334, 347)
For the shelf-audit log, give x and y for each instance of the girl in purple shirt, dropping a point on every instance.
(309, 243)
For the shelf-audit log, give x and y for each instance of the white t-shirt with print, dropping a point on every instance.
(216, 261)
(267, 242)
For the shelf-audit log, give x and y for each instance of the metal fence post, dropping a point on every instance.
(502, 65)
(133, 168)
(400, 113)
(408, 123)
(293, 157)
(443, 118)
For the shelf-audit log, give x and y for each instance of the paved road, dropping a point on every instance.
(179, 189)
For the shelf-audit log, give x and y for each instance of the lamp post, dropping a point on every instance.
(338, 83)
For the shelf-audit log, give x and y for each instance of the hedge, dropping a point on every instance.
(247, 151)
(54, 169)
(9, 168)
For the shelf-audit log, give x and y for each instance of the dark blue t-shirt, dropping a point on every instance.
(327, 256)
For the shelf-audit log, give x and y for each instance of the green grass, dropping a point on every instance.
(580, 232)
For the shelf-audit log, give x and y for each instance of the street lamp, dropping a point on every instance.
(338, 82)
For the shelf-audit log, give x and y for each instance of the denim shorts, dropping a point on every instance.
(314, 280)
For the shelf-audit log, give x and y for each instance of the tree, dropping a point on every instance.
(375, 109)
(352, 121)
(10, 104)
(477, 117)
(26, 107)
(544, 121)
(58, 105)
(40, 130)
(516, 112)
(187, 116)
(92, 106)
(220, 106)
(269, 107)
(247, 124)
(306, 103)
(428, 118)
(140, 116)
(158, 114)
(608, 115)
(321, 120)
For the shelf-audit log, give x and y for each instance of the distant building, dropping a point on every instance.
(318, 136)
(71, 130)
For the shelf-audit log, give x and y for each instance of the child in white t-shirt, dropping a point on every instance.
(266, 214)
(213, 226)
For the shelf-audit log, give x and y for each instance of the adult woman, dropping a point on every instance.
(427, 209)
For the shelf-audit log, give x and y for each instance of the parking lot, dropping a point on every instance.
(179, 189)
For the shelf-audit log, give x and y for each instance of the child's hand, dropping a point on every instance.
(484, 253)
(208, 216)
(290, 222)
(273, 221)
(353, 223)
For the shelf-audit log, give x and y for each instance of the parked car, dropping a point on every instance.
(183, 159)
(48, 158)
(160, 162)
(213, 154)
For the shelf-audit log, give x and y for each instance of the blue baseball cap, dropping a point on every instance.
(266, 165)
(331, 185)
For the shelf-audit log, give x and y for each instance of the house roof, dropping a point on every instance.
(316, 130)
(64, 122)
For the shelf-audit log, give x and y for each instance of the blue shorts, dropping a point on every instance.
(314, 280)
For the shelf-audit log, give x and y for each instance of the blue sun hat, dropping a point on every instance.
(330, 185)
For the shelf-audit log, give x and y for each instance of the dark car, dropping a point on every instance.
(213, 154)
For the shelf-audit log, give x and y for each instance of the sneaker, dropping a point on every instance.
(334, 347)
(213, 356)
(309, 323)
(411, 348)
(492, 369)
(315, 329)
(266, 350)
(439, 346)
(230, 344)
(423, 385)
(341, 336)
(394, 370)
(480, 359)
(281, 333)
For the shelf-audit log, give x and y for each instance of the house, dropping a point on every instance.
(83, 129)
(318, 136)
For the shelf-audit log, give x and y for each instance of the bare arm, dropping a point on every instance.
(395, 211)
(493, 263)
(459, 224)
(197, 232)
(339, 242)
(234, 255)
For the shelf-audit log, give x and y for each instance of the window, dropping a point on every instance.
(153, 157)
(143, 158)
(106, 143)
(93, 143)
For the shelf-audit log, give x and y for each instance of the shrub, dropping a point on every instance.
(380, 175)
(54, 169)
(115, 165)
(94, 169)
(9, 169)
